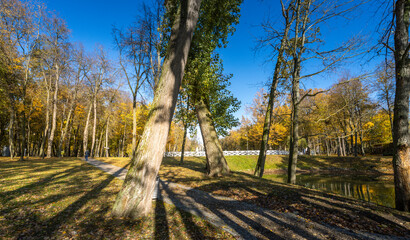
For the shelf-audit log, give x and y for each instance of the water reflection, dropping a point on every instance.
(359, 187)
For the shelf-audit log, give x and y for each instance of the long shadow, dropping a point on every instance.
(234, 207)
(52, 225)
(302, 196)
(358, 211)
(192, 229)
(9, 195)
(161, 222)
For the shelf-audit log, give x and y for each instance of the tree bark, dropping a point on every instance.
(297, 55)
(216, 163)
(183, 144)
(64, 132)
(260, 166)
(107, 154)
(94, 125)
(134, 123)
(43, 142)
(401, 135)
(293, 151)
(54, 119)
(85, 138)
(135, 197)
(11, 129)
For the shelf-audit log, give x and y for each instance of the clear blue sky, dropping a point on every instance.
(91, 22)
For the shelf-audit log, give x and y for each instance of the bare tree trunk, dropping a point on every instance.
(23, 142)
(362, 143)
(134, 123)
(94, 125)
(298, 50)
(64, 132)
(355, 143)
(85, 138)
(11, 130)
(43, 142)
(293, 151)
(216, 163)
(107, 153)
(123, 140)
(99, 144)
(183, 144)
(54, 119)
(260, 166)
(401, 135)
(339, 151)
(327, 146)
(135, 197)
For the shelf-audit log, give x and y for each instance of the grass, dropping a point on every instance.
(68, 199)
(379, 164)
(311, 204)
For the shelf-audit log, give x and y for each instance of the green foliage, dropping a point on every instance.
(204, 78)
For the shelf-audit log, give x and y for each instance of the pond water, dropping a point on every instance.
(364, 188)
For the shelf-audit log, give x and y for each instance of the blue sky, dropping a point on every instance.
(91, 22)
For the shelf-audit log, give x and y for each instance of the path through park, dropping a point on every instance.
(243, 220)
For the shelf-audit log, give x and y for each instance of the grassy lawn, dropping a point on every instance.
(66, 199)
(311, 204)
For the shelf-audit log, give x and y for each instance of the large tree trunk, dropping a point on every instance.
(54, 119)
(401, 135)
(216, 163)
(135, 197)
(85, 138)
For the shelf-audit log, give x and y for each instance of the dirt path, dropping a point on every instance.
(243, 220)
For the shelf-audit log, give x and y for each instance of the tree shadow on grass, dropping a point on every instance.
(10, 195)
(247, 221)
(50, 226)
(313, 205)
(161, 222)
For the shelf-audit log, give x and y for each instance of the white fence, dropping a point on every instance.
(226, 153)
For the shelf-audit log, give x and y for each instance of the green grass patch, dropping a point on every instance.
(69, 199)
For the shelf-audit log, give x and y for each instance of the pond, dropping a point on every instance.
(371, 189)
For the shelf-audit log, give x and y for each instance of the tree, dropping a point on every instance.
(133, 46)
(185, 115)
(309, 15)
(401, 135)
(56, 46)
(211, 100)
(384, 85)
(280, 65)
(134, 199)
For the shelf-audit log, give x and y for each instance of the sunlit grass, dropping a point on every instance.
(67, 198)
(270, 193)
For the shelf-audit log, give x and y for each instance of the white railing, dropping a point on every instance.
(226, 153)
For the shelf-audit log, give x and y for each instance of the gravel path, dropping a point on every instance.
(243, 220)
